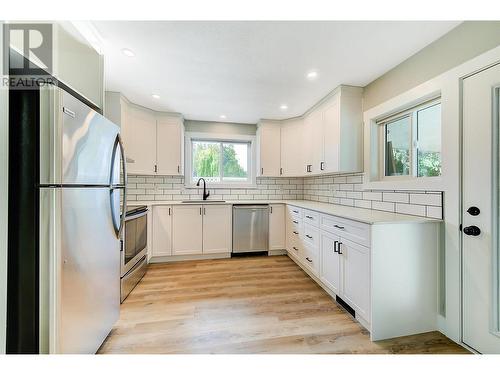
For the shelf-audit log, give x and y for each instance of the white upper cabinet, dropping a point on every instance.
(154, 141)
(314, 142)
(328, 139)
(138, 130)
(334, 132)
(269, 148)
(169, 145)
(331, 132)
(77, 64)
(292, 161)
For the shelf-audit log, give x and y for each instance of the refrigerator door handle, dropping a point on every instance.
(118, 226)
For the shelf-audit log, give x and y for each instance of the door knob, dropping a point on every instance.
(473, 210)
(472, 231)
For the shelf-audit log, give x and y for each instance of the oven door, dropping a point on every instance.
(135, 241)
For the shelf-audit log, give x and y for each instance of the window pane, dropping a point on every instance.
(429, 141)
(206, 160)
(397, 147)
(235, 161)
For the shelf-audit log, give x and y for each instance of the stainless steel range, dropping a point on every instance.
(134, 249)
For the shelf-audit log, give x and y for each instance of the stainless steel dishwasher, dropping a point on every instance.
(250, 228)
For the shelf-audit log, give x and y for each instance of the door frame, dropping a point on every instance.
(495, 143)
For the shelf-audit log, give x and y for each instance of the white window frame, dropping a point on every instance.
(189, 137)
(411, 113)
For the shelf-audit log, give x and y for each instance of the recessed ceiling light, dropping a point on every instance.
(312, 75)
(127, 52)
(155, 96)
(223, 117)
(283, 107)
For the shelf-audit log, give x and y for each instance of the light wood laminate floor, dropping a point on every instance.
(245, 305)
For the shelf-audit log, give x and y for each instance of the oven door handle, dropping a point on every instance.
(137, 215)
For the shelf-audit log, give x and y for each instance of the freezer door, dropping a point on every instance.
(84, 268)
(76, 143)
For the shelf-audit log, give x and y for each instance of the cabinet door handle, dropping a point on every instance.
(156, 168)
(262, 171)
(271, 207)
(322, 166)
(295, 222)
(178, 169)
(200, 210)
(308, 236)
(293, 247)
(295, 211)
(294, 232)
(335, 243)
(281, 171)
(169, 211)
(204, 211)
(309, 260)
(339, 227)
(340, 248)
(309, 217)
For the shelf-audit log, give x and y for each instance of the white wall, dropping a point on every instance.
(448, 85)
(4, 147)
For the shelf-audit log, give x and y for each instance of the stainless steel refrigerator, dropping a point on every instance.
(71, 176)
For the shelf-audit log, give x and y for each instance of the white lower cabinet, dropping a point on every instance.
(217, 229)
(277, 227)
(319, 245)
(330, 262)
(356, 276)
(162, 231)
(187, 230)
(191, 230)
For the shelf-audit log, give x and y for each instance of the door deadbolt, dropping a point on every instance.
(473, 210)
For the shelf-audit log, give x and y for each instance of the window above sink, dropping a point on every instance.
(222, 160)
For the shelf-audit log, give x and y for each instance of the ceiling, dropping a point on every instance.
(246, 70)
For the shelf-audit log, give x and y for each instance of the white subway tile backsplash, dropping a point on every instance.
(395, 197)
(383, 206)
(434, 212)
(410, 209)
(344, 189)
(372, 196)
(426, 199)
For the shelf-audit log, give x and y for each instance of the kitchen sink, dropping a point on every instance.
(202, 201)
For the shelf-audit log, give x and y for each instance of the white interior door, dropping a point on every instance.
(480, 226)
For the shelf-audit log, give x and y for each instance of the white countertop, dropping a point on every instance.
(353, 213)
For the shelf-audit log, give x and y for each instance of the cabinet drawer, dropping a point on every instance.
(310, 259)
(311, 235)
(295, 211)
(311, 217)
(352, 230)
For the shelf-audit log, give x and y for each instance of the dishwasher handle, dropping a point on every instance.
(254, 207)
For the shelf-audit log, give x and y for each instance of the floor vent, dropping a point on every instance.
(344, 304)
